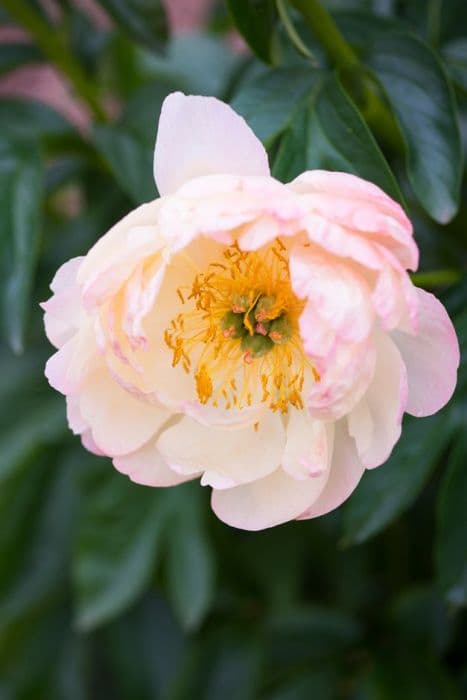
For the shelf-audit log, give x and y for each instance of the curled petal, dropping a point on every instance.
(362, 207)
(308, 449)
(375, 422)
(431, 357)
(346, 471)
(62, 310)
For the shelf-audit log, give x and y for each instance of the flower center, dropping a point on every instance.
(238, 332)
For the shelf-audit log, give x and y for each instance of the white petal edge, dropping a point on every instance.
(203, 136)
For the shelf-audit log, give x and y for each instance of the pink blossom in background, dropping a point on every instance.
(45, 84)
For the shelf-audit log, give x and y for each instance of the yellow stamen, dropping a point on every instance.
(227, 320)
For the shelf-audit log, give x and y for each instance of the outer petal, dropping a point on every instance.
(227, 457)
(146, 466)
(62, 310)
(203, 136)
(431, 357)
(375, 422)
(263, 503)
(114, 256)
(346, 472)
(120, 423)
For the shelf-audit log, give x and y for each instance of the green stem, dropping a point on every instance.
(436, 278)
(56, 50)
(325, 29)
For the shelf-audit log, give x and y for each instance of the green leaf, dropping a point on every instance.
(420, 617)
(31, 120)
(455, 57)
(410, 676)
(423, 103)
(21, 185)
(268, 101)
(451, 550)
(187, 65)
(17, 54)
(319, 683)
(255, 20)
(328, 132)
(386, 492)
(190, 566)
(143, 20)
(157, 643)
(118, 544)
(130, 159)
(310, 632)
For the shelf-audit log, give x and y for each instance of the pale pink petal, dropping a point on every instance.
(375, 422)
(308, 449)
(431, 357)
(263, 503)
(344, 378)
(346, 472)
(202, 136)
(360, 206)
(120, 423)
(89, 444)
(336, 297)
(75, 420)
(67, 369)
(62, 310)
(235, 455)
(146, 466)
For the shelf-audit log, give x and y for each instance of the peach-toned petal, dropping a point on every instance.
(146, 466)
(308, 449)
(227, 457)
(120, 423)
(263, 503)
(375, 422)
(202, 136)
(112, 259)
(431, 357)
(346, 472)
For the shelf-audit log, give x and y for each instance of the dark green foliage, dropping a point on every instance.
(113, 590)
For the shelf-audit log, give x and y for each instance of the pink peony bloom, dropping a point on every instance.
(265, 338)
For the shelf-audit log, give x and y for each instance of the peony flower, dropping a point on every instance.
(265, 338)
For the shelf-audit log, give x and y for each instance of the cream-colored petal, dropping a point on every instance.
(119, 421)
(202, 136)
(346, 472)
(235, 455)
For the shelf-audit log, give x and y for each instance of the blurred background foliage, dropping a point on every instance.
(112, 590)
